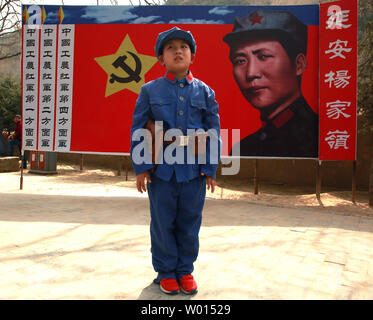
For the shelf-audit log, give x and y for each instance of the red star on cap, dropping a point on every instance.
(256, 18)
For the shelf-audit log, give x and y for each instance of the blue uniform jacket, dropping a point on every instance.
(188, 104)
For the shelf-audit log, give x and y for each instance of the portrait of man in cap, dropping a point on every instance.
(268, 55)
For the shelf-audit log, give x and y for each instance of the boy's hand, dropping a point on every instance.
(210, 182)
(140, 181)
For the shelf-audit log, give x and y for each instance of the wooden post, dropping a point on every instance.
(256, 176)
(354, 181)
(221, 187)
(318, 179)
(126, 164)
(81, 161)
(119, 173)
(21, 179)
(370, 190)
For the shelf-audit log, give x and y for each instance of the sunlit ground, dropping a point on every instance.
(104, 182)
(85, 235)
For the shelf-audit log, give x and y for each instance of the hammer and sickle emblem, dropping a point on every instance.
(133, 75)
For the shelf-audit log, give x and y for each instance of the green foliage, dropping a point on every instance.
(10, 102)
(365, 78)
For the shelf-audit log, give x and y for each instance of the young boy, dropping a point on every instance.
(176, 190)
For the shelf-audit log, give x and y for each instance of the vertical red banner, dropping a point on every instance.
(338, 80)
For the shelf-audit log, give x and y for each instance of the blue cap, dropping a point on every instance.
(277, 23)
(174, 33)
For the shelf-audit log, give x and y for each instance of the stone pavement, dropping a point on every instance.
(90, 240)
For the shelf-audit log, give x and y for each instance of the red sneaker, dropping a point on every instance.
(188, 285)
(169, 286)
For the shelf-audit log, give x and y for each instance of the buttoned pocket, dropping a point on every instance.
(161, 107)
(198, 107)
(198, 103)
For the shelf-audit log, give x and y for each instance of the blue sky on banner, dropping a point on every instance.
(309, 14)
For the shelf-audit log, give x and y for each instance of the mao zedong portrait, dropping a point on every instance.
(268, 54)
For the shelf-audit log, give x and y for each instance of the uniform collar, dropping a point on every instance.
(300, 105)
(280, 119)
(174, 79)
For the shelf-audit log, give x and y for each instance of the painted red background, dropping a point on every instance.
(102, 125)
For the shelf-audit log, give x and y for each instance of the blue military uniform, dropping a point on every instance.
(291, 133)
(177, 191)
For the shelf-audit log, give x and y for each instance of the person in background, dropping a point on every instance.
(16, 139)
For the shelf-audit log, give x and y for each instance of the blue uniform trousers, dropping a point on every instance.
(176, 215)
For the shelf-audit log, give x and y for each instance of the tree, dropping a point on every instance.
(10, 101)
(10, 21)
(10, 16)
(365, 15)
(365, 92)
(10, 91)
(365, 79)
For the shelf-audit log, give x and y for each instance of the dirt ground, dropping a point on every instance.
(85, 235)
(70, 179)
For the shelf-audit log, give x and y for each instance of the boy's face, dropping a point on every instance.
(176, 57)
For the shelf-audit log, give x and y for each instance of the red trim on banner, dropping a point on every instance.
(38, 96)
(338, 80)
(55, 91)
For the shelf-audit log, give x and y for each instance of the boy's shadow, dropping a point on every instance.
(152, 292)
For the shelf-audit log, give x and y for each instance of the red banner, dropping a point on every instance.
(338, 80)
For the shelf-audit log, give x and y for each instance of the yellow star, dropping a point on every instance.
(126, 68)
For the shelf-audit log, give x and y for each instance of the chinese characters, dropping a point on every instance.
(48, 46)
(338, 40)
(48, 54)
(30, 86)
(64, 87)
